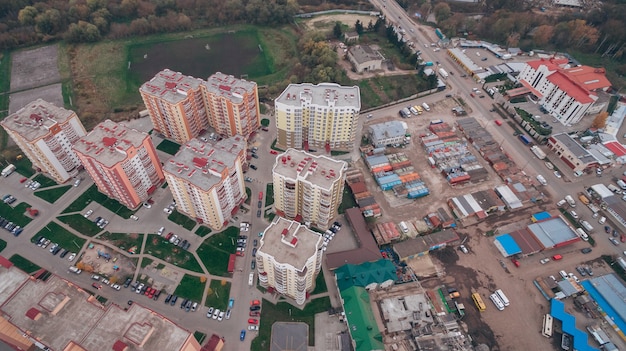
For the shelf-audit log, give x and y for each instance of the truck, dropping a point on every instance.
(439, 33)
(538, 152)
(8, 170)
(425, 106)
(443, 73)
(583, 199)
(525, 139)
(570, 200)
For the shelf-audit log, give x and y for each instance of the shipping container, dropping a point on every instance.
(525, 139)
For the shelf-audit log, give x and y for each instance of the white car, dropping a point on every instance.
(253, 327)
(557, 174)
(72, 257)
(88, 213)
(134, 217)
(574, 214)
(161, 230)
(220, 317)
(167, 210)
(116, 287)
(147, 205)
(216, 313)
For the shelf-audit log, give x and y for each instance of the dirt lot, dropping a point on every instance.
(327, 22)
(34, 68)
(50, 93)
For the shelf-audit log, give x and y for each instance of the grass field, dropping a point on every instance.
(203, 230)
(320, 284)
(145, 262)
(218, 295)
(45, 181)
(215, 251)
(80, 224)
(347, 200)
(24, 264)
(169, 147)
(53, 194)
(5, 86)
(123, 240)
(190, 287)
(284, 312)
(381, 90)
(269, 194)
(15, 214)
(24, 166)
(61, 236)
(160, 248)
(92, 194)
(3, 245)
(182, 220)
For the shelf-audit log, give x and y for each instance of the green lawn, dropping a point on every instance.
(190, 287)
(124, 241)
(53, 194)
(281, 313)
(3, 245)
(218, 295)
(61, 236)
(182, 220)
(92, 194)
(24, 264)
(265, 122)
(215, 251)
(80, 224)
(269, 194)
(248, 195)
(203, 230)
(199, 337)
(145, 262)
(45, 181)
(347, 200)
(161, 248)
(320, 284)
(16, 214)
(24, 167)
(169, 147)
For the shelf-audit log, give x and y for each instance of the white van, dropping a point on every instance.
(541, 180)
(74, 269)
(621, 184)
(602, 220)
(251, 279)
(581, 233)
(614, 189)
(587, 226)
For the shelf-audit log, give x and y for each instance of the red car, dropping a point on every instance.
(557, 257)
(97, 286)
(239, 253)
(515, 262)
(273, 152)
(253, 321)
(23, 180)
(152, 291)
(622, 238)
(255, 303)
(498, 122)
(255, 313)
(169, 236)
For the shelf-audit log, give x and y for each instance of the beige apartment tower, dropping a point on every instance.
(289, 259)
(206, 179)
(317, 116)
(182, 107)
(122, 162)
(46, 133)
(308, 188)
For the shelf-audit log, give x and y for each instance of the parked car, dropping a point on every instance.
(242, 335)
(253, 321)
(253, 167)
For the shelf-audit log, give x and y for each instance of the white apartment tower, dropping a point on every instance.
(317, 116)
(206, 179)
(289, 259)
(46, 133)
(308, 188)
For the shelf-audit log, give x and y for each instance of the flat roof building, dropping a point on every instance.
(59, 315)
(387, 133)
(289, 258)
(364, 58)
(571, 152)
(121, 161)
(308, 188)
(317, 116)
(45, 133)
(206, 179)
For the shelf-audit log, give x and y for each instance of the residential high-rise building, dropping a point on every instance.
(317, 116)
(176, 105)
(206, 179)
(289, 258)
(121, 161)
(308, 188)
(232, 105)
(45, 133)
(182, 107)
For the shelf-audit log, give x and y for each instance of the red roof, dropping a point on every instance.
(231, 263)
(109, 141)
(530, 87)
(119, 346)
(570, 87)
(5, 263)
(200, 162)
(552, 63)
(617, 148)
(590, 77)
(32, 313)
(212, 344)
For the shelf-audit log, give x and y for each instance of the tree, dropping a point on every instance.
(337, 32)
(543, 34)
(49, 22)
(600, 120)
(442, 11)
(27, 15)
(82, 32)
(359, 27)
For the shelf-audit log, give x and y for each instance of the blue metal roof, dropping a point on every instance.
(557, 310)
(509, 244)
(540, 216)
(610, 294)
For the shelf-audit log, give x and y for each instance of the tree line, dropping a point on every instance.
(27, 22)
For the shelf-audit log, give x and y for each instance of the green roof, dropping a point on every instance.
(364, 274)
(361, 323)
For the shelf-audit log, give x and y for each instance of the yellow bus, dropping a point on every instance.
(478, 301)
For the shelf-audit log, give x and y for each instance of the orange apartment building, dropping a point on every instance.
(183, 107)
(45, 134)
(206, 179)
(121, 161)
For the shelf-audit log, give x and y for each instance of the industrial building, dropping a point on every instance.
(388, 133)
(45, 133)
(55, 314)
(574, 155)
(422, 245)
(364, 58)
(122, 162)
(289, 258)
(363, 197)
(317, 116)
(206, 179)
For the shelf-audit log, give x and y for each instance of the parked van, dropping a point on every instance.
(425, 106)
(614, 189)
(570, 200)
(561, 203)
(581, 233)
(587, 226)
(583, 199)
(74, 269)
(541, 180)
(621, 184)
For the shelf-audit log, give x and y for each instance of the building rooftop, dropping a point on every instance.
(574, 147)
(591, 78)
(290, 242)
(60, 314)
(364, 53)
(553, 232)
(552, 63)
(465, 60)
(109, 142)
(229, 87)
(571, 87)
(367, 250)
(391, 129)
(425, 243)
(203, 163)
(36, 119)
(321, 171)
(171, 86)
(612, 293)
(323, 94)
